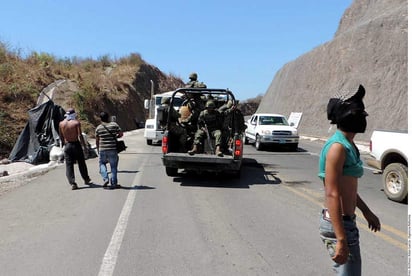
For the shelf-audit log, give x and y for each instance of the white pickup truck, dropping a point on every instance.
(270, 129)
(388, 150)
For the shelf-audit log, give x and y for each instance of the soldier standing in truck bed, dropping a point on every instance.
(176, 132)
(233, 123)
(194, 83)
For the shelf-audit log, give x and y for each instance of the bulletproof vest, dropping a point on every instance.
(212, 119)
(234, 120)
(162, 115)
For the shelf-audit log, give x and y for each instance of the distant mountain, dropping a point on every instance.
(370, 48)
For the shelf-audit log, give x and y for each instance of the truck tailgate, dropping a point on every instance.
(200, 161)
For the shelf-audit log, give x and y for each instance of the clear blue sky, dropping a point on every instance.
(238, 45)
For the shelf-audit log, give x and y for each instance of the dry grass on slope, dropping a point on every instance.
(22, 79)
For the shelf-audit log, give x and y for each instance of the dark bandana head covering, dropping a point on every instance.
(344, 104)
(348, 111)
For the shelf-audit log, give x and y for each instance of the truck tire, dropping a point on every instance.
(258, 144)
(395, 181)
(149, 142)
(171, 171)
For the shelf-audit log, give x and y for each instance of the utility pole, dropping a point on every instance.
(151, 98)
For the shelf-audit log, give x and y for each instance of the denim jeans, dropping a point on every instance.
(111, 157)
(354, 265)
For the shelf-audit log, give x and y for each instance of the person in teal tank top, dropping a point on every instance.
(353, 165)
(340, 168)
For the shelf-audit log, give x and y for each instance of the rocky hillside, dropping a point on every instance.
(369, 48)
(90, 86)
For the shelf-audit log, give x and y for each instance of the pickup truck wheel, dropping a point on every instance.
(395, 181)
(149, 142)
(171, 171)
(258, 144)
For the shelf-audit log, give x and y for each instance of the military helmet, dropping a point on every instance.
(210, 104)
(193, 76)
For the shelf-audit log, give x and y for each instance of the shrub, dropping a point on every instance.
(6, 71)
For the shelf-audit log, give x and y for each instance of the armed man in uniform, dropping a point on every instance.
(194, 83)
(210, 120)
(176, 132)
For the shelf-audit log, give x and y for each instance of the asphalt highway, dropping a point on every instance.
(265, 223)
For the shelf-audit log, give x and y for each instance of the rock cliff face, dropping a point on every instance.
(369, 48)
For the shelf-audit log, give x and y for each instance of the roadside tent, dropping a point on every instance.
(39, 135)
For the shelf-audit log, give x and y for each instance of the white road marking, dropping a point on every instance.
(110, 257)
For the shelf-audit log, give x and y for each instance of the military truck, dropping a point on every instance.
(181, 127)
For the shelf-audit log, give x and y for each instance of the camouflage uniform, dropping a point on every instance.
(194, 83)
(227, 121)
(233, 123)
(176, 132)
(213, 120)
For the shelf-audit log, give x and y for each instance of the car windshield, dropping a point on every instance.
(273, 120)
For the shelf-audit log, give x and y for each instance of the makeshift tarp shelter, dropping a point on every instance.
(39, 135)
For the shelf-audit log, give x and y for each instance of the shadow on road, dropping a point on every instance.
(123, 171)
(252, 173)
(277, 148)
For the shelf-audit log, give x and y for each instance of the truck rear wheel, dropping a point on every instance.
(395, 181)
(149, 142)
(171, 171)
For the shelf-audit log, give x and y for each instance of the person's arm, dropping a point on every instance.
(373, 221)
(61, 135)
(97, 143)
(119, 132)
(81, 139)
(333, 173)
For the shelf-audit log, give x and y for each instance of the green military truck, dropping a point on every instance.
(181, 127)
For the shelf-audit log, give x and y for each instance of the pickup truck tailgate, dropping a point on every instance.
(201, 161)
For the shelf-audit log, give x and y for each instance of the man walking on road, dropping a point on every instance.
(106, 137)
(74, 148)
(340, 167)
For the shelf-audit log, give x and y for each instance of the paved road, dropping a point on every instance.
(263, 224)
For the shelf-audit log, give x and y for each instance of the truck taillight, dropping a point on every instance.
(164, 144)
(238, 148)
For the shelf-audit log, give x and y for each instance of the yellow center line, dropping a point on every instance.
(383, 236)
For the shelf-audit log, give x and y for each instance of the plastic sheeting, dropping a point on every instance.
(39, 135)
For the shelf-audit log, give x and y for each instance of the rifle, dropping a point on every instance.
(209, 142)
